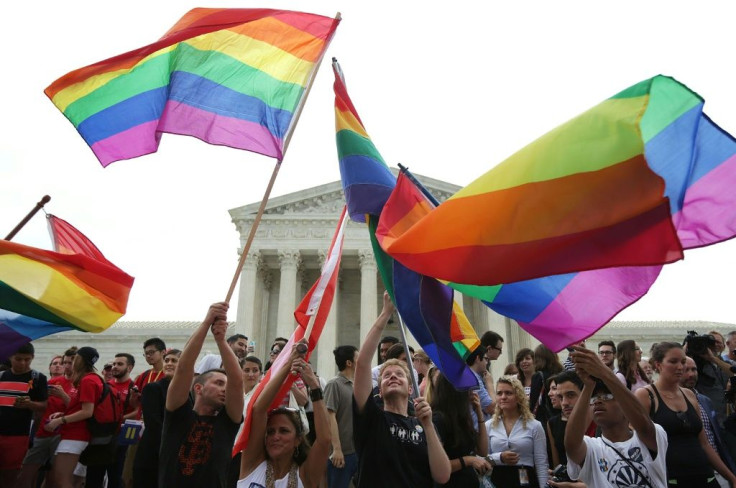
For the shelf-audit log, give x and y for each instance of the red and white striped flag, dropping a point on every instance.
(315, 305)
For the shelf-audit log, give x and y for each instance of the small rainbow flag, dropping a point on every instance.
(232, 77)
(693, 158)
(44, 292)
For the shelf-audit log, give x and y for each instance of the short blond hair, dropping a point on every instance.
(394, 362)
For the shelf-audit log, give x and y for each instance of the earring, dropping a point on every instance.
(296, 452)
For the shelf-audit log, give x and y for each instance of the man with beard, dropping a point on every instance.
(197, 440)
(238, 343)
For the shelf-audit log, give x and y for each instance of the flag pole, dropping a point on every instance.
(287, 139)
(409, 359)
(28, 217)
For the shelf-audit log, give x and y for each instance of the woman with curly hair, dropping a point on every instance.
(628, 356)
(516, 440)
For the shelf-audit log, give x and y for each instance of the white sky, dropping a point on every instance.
(449, 91)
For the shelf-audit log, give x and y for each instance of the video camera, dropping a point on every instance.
(697, 344)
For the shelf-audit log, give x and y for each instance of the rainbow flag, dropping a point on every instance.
(44, 292)
(426, 305)
(232, 77)
(695, 159)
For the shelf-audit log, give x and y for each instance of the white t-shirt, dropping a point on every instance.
(604, 468)
(210, 361)
(257, 479)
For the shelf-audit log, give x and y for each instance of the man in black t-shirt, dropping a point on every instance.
(393, 448)
(197, 440)
(23, 392)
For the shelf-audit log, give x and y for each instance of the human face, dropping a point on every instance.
(281, 437)
(170, 363)
(506, 396)
(120, 368)
(731, 343)
(420, 365)
(493, 352)
(637, 350)
(251, 375)
(56, 368)
(21, 363)
(646, 366)
(275, 351)
(152, 355)
(213, 390)
(68, 365)
(394, 382)
(552, 394)
(672, 366)
(720, 346)
(607, 356)
(567, 394)
(606, 412)
(690, 374)
(239, 346)
(384, 349)
(527, 365)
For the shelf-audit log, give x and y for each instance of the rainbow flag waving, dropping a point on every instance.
(232, 77)
(426, 305)
(683, 153)
(44, 292)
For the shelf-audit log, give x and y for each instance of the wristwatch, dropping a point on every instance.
(316, 394)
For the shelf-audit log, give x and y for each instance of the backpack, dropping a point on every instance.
(108, 415)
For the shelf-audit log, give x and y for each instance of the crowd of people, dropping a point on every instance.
(605, 417)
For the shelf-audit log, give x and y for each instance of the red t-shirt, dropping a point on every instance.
(89, 391)
(55, 404)
(122, 389)
(149, 376)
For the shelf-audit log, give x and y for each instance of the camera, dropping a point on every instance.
(560, 474)
(697, 345)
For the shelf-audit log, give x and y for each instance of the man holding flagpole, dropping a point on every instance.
(393, 448)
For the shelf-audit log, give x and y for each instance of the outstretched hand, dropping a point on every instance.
(588, 365)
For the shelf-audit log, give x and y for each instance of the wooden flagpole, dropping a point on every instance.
(28, 217)
(276, 168)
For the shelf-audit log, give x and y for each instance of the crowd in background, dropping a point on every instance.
(606, 415)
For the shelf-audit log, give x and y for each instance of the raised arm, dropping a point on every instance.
(363, 382)
(234, 387)
(181, 383)
(313, 469)
(579, 421)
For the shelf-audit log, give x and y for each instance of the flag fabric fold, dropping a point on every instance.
(232, 77)
(425, 305)
(44, 292)
(314, 308)
(696, 161)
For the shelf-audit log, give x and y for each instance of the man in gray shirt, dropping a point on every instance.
(343, 462)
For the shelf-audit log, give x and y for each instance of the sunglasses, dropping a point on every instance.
(602, 397)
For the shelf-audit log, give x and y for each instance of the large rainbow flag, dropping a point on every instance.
(426, 305)
(693, 159)
(44, 292)
(232, 77)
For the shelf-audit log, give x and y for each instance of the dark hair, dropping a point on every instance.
(302, 450)
(201, 379)
(490, 339)
(71, 352)
(627, 363)
(568, 376)
(546, 360)
(26, 349)
(510, 369)
(608, 343)
(236, 337)
(519, 358)
(661, 350)
(395, 351)
(155, 342)
(477, 352)
(385, 340)
(253, 359)
(454, 406)
(128, 357)
(343, 354)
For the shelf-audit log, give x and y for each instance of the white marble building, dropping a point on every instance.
(285, 260)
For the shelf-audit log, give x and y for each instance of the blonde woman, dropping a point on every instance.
(517, 442)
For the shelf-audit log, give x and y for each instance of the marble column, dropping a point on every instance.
(247, 297)
(261, 330)
(289, 260)
(329, 338)
(368, 290)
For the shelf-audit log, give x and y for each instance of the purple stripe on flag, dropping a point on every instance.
(707, 215)
(179, 118)
(136, 141)
(594, 297)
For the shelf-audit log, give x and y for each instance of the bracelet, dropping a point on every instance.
(462, 462)
(63, 420)
(316, 394)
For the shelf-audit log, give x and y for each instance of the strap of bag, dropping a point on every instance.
(628, 461)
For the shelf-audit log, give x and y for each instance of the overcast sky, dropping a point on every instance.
(448, 91)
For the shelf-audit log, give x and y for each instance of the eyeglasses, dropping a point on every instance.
(275, 351)
(150, 352)
(604, 353)
(603, 397)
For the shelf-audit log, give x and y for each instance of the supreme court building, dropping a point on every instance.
(283, 263)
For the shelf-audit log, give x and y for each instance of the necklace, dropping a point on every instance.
(293, 473)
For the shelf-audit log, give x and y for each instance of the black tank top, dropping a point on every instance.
(685, 456)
